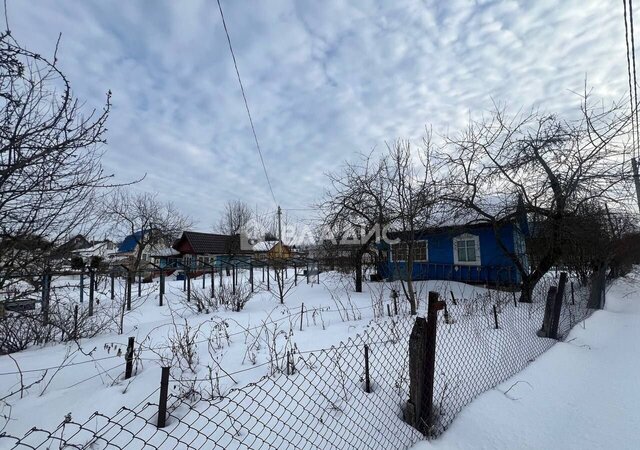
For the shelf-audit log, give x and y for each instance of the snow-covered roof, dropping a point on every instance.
(164, 251)
(264, 246)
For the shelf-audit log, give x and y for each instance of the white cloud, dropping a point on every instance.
(324, 80)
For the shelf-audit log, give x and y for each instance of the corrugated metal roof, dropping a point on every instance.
(211, 243)
(130, 242)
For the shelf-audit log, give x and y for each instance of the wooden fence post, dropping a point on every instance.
(128, 357)
(422, 358)
(557, 306)
(548, 311)
(598, 284)
(553, 309)
(164, 395)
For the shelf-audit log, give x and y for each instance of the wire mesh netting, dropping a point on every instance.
(321, 400)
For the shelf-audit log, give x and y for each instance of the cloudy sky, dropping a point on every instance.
(324, 80)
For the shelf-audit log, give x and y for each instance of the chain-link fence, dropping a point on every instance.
(338, 397)
(488, 338)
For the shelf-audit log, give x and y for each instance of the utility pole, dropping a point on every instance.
(280, 224)
(636, 179)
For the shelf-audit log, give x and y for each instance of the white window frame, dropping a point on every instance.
(467, 237)
(426, 252)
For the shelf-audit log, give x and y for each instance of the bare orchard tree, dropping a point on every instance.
(540, 164)
(413, 199)
(358, 199)
(235, 218)
(50, 158)
(150, 221)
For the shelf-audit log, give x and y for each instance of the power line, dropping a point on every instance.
(631, 99)
(635, 81)
(246, 104)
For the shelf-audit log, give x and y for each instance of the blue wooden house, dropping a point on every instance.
(468, 253)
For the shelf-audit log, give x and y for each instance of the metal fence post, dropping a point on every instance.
(213, 283)
(75, 322)
(113, 282)
(92, 279)
(188, 280)
(367, 380)
(82, 285)
(46, 294)
(164, 395)
(161, 289)
(128, 289)
(495, 316)
(128, 357)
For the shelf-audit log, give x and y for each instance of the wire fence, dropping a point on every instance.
(352, 395)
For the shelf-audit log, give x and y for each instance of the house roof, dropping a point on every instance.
(130, 242)
(264, 246)
(164, 252)
(210, 243)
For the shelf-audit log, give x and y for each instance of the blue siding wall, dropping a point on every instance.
(495, 266)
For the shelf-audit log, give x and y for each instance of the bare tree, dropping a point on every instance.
(357, 200)
(150, 221)
(235, 218)
(413, 199)
(539, 164)
(50, 158)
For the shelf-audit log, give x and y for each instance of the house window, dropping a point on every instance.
(400, 252)
(466, 250)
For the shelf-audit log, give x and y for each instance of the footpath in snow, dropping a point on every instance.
(583, 393)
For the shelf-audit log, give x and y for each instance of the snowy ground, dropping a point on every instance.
(234, 345)
(581, 394)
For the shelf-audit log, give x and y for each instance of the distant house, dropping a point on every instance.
(469, 253)
(217, 249)
(100, 249)
(77, 242)
(269, 250)
(128, 249)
